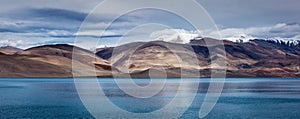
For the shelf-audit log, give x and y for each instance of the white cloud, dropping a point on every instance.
(279, 31)
(59, 33)
(96, 33)
(282, 31)
(174, 35)
(10, 42)
(286, 32)
(27, 40)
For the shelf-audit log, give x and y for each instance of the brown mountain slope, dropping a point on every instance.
(135, 58)
(257, 58)
(25, 66)
(51, 61)
(9, 50)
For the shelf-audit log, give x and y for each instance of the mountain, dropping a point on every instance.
(9, 50)
(256, 58)
(50, 61)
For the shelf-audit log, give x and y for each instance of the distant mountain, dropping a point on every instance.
(9, 50)
(256, 58)
(50, 61)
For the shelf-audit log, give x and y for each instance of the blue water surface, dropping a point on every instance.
(241, 98)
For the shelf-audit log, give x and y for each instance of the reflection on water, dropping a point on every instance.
(241, 98)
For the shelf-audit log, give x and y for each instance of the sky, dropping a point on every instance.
(35, 22)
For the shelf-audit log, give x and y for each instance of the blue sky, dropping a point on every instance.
(34, 22)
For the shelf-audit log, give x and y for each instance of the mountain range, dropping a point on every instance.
(256, 58)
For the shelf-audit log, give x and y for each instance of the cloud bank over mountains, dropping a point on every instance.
(281, 31)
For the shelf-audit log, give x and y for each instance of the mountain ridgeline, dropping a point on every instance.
(256, 58)
(49, 61)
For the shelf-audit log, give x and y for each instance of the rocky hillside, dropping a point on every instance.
(256, 58)
(9, 50)
(50, 61)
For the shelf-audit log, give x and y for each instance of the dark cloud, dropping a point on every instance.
(98, 36)
(111, 36)
(8, 30)
(51, 13)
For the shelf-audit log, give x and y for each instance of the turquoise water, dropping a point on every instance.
(241, 98)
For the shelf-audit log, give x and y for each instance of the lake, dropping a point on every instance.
(240, 98)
